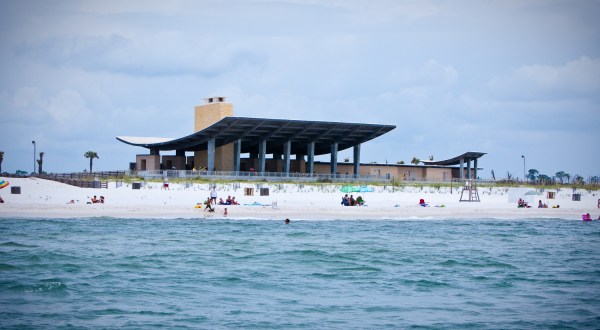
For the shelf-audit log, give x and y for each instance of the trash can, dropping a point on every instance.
(264, 191)
(136, 185)
(16, 190)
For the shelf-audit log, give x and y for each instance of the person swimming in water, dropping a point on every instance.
(286, 221)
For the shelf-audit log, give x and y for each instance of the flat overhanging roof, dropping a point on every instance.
(275, 131)
(456, 160)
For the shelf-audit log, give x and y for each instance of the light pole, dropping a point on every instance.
(33, 142)
(522, 156)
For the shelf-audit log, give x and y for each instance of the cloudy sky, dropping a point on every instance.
(508, 78)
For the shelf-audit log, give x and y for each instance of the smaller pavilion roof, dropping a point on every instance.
(471, 155)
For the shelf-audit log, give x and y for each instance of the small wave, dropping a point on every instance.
(422, 283)
(299, 234)
(110, 311)
(483, 264)
(359, 269)
(7, 267)
(323, 275)
(46, 286)
(15, 244)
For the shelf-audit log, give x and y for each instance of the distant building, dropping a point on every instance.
(220, 139)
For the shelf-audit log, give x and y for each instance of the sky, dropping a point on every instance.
(508, 78)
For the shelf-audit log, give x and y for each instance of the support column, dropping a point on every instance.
(262, 154)
(356, 160)
(475, 168)
(287, 146)
(310, 159)
(462, 172)
(334, 150)
(469, 169)
(237, 151)
(211, 154)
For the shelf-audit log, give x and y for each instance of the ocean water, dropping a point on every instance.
(222, 274)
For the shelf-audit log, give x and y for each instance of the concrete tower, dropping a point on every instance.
(213, 110)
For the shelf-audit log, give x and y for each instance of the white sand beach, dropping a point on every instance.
(41, 198)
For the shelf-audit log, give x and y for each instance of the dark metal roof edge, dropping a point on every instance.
(209, 131)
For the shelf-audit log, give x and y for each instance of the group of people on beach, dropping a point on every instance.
(350, 201)
(229, 201)
(523, 204)
(95, 200)
(211, 201)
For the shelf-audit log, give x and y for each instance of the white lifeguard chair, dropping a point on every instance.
(472, 195)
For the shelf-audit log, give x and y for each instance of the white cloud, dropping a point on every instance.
(28, 96)
(114, 7)
(574, 79)
(163, 53)
(68, 108)
(451, 75)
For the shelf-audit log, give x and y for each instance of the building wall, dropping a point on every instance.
(397, 172)
(438, 174)
(211, 112)
(178, 162)
(147, 162)
(205, 115)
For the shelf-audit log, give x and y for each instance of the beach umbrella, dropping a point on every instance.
(532, 193)
(3, 183)
(348, 189)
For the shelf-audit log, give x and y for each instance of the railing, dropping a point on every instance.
(100, 179)
(84, 180)
(94, 176)
(79, 183)
(259, 176)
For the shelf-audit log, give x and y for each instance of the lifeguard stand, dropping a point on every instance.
(472, 195)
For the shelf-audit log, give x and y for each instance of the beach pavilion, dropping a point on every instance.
(460, 160)
(221, 138)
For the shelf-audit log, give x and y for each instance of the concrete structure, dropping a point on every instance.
(214, 109)
(399, 172)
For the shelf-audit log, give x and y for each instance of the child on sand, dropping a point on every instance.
(209, 205)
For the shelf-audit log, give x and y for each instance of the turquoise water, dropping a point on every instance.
(218, 274)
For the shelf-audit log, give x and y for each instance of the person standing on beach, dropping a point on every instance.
(166, 183)
(213, 195)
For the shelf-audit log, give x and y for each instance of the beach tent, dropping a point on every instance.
(515, 193)
(532, 197)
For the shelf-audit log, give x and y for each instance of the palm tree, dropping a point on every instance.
(561, 175)
(532, 174)
(91, 155)
(40, 162)
(1, 159)
(415, 161)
